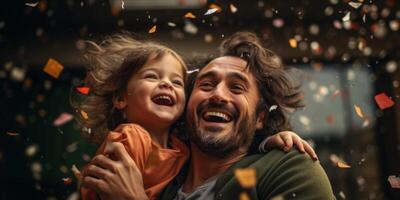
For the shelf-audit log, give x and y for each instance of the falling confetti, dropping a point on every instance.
(84, 114)
(83, 90)
(31, 150)
(190, 28)
(32, 4)
(72, 147)
(190, 15)
(342, 195)
(62, 119)
(76, 173)
(358, 111)
(279, 197)
(394, 182)
(293, 43)
(211, 11)
(383, 101)
(246, 177)
(355, 4)
(18, 74)
(53, 68)
(343, 165)
(123, 5)
(12, 133)
(272, 108)
(153, 29)
(346, 18)
(67, 181)
(233, 8)
(171, 24)
(215, 6)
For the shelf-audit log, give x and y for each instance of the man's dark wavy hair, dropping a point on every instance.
(274, 83)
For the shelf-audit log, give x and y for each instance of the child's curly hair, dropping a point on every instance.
(110, 65)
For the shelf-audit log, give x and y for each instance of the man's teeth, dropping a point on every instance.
(218, 114)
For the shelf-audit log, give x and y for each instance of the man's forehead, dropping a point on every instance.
(227, 62)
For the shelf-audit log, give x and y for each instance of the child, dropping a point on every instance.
(143, 83)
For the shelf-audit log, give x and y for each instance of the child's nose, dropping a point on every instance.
(165, 84)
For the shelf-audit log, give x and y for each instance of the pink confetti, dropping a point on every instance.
(62, 119)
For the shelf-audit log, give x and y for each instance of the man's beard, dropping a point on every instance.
(208, 142)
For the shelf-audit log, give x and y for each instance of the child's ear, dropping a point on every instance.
(119, 102)
(260, 119)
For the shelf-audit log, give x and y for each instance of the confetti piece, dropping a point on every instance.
(279, 197)
(346, 18)
(83, 90)
(76, 172)
(12, 133)
(67, 181)
(272, 108)
(293, 43)
(246, 177)
(62, 119)
(73, 196)
(190, 28)
(18, 74)
(329, 119)
(171, 24)
(215, 6)
(32, 4)
(153, 29)
(364, 17)
(123, 5)
(190, 15)
(358, 111)
(244, 196)
(233, 8)
(304, 120)
(31, 150)
(343, 165)
(72, 147)
(394, 181)
(211, 11)
(84, 115)
(342, 195)
(383, 101)
(355, 4)
(53, 68)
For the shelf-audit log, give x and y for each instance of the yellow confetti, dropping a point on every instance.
(213, 5)
(53, 68)
(246, 177)
(233, 8)
(84, 115)
(153, 29)
(358, 111)
(293, 43)
(244, 196)
(190, 15)
(343, 165)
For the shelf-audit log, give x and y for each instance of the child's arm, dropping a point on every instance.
(284, 140)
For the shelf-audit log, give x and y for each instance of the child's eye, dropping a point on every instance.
(150, 76)
(177, 82)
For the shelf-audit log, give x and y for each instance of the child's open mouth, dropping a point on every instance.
(164, 100)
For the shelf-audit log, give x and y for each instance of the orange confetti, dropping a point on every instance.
(358, 111)
(190, 15)
(383, 101)
(215, 6)
(233, 8)
(84, 115)
(293, 43)
(329, 119)
(246, 177)
(153, 29)
(53, 68)
(12, 133)
(83, 90)
(67, 181)
(244, 196)
(343, 165)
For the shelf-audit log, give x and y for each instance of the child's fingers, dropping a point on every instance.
(274, 142)
(287, 138)
(298, 142)
(310, 150)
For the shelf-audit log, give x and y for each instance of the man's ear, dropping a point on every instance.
(260, 119)
(119, 102)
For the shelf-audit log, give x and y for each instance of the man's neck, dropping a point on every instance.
(202, 167)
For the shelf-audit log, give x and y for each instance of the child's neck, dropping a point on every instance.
(158, 134)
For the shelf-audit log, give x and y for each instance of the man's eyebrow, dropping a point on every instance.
(207, 74)
(239, 76)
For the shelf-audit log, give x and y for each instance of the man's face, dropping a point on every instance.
(221, 113)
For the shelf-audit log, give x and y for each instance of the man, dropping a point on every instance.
(227, 117)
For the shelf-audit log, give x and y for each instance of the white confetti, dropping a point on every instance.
(18, 74)
(211, 11)
(342, 195)
(72, 147)
(122, 4)
(394, 182)
(346, 18)
(355, 4)
(32, 4)
(190, 28)
(304, 120)
(171, 24)
(233, 8)
(273, 107)
(192, 71)
(31, 150)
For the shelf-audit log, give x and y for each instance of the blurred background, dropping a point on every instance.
(345, 53)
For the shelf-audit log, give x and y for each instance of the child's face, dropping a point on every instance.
(155, 94)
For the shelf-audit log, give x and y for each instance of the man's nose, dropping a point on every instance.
(219, 95)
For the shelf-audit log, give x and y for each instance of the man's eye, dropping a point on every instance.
(237, 88)
(206, 85)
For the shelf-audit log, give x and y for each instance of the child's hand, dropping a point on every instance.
(284, 140)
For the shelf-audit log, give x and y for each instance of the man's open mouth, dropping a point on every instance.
(164, 100)
(217, 116)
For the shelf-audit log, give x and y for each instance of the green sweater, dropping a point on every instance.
(289, 175)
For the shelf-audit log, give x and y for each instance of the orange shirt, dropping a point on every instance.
(158, 165)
